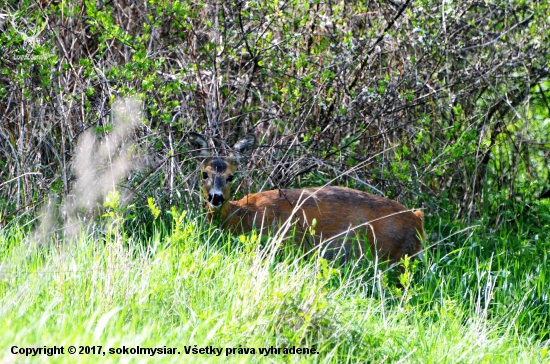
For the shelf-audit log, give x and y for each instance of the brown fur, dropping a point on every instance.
(340, 213)
(392, 230)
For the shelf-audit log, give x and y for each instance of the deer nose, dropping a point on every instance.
(216, 199)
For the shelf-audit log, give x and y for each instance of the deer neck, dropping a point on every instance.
(219, 215)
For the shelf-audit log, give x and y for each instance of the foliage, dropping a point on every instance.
(423, 100)
(196, 287)
(442, 105)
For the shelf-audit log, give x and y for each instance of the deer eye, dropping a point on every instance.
(204, 175)
(230, 178)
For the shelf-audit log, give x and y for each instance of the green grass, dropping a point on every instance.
(478, 297)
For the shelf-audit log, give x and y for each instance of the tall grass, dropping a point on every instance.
(190, 284)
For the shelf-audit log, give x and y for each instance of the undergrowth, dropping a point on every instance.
(188, 284)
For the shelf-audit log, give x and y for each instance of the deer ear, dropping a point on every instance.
(198, 144)
(243, 148)
(245, 145)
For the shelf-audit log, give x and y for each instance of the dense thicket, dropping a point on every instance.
(442, 102)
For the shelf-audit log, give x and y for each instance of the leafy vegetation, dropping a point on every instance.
(441, 105)
(192, 285)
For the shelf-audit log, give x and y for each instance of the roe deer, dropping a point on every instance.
(392, 230)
